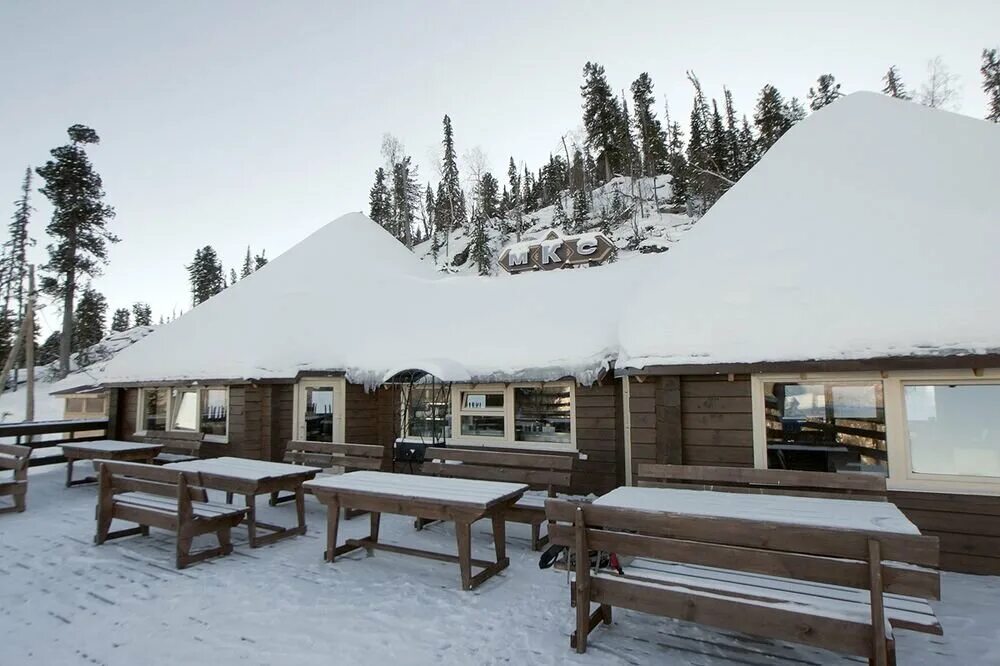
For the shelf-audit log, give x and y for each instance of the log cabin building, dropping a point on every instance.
(834, 313)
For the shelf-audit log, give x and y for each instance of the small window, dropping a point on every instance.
(214, 411)
(94, 406)
(954, 429)
(543, 414)
(184, 410)
(482, 414)
(154, 409)
(74, 405)
(826, 426)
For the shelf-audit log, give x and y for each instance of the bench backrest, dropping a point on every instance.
(850, 558)
(546, 471)
(122, 477)
(174, 441)
(15, 458)
(855, 485)
(329, 454)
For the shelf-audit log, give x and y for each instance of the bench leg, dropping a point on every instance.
(229, 498)
(499, 537)
(225, 539)
(536, 533)
(332, 523)
(300, 508)
(69, 472)
(183, 551)
(463, 533)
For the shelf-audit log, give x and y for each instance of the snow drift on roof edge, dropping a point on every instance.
(870, 229)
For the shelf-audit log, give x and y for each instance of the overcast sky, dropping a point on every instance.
(236, 123)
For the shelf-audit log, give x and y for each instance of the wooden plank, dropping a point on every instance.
(855, 481)
(953, 523)
(669, 430)
(853, 544)
(717, 422)
(525, 460)
(983, 505)
(734, 614)
(729, 438)
(722, 388)
(718, 405)
(531, 477)
(715, 455)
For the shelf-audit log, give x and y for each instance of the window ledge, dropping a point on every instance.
(524, 447)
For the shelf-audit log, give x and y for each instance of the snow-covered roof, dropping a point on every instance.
(351, 298)
(870, 229)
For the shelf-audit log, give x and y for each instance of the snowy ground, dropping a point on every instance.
(65, 601)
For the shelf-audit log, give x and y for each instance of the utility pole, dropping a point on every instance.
(29, 346)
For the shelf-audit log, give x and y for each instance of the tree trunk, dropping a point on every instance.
(29, 348)
(66, 341)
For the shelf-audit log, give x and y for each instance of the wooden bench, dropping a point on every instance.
(177, 446)
(838, 589)
(843, 485)
(173, 500)
(539, 471)
(15, 459)
(351, 457)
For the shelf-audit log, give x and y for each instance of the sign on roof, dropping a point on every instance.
(555, 251)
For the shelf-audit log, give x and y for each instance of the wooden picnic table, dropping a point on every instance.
(463, 501)
(105, 449)
(789, 509)
(243, 476)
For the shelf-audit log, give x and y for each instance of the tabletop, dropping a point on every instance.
(111, 446)
(414, 486)
(245, 469)
(789, 509)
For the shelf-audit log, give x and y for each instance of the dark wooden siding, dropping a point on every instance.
(280, 421)
(716, 420)
(599, 437)
(968, 527)
(361, 425)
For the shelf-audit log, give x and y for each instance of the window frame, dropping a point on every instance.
(339, 385)
(405, 402)
(508, 441)
(141, 417)
(901, 476)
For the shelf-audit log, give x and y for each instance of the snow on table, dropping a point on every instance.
(806, 511)
(111, 446)
(414, 486)
(242, 468)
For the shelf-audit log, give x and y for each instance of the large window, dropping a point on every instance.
(542, 414)
(185, 409)
(518, 415)
(925, 430)
(826, 426)
(953, 429)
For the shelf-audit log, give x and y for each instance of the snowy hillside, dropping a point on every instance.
(648, 227)
(95, 359)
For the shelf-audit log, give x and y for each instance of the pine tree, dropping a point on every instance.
(560, 219)
(247, 268)
(88, 321)
(120, 320)
(233, 277)
(581, 211)
(652, 138)
(632, 158)
(991, 83)
(260, 260)
(894, 84)
(450, 209)
(770, 118)
(515, 210)
(78, 226)
(794, 111)
(48, 352)
(827, 91)
(479, 247)
(677, 164)
(746, 146)
(603, 120)
(718, 143)
(736, 166)
(15, 270)
(488, 196)
(405, 199)
(205, 275)
(379, 202)
(143, 314)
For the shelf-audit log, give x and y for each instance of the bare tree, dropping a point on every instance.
(475, 165)
(940, 89)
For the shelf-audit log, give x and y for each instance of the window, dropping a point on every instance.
(214, 412)
(926, 430)
(542, 414)
(953, 429)
(826, 426)
(482, 414)
(535, 416)
(319, 413)
(185, 409)
(154, 409)
(427, 412)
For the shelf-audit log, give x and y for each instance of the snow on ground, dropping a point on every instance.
(65, 601)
